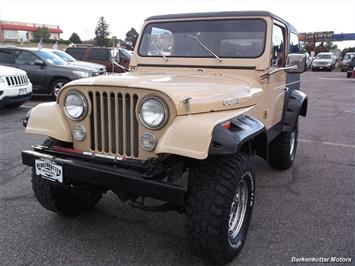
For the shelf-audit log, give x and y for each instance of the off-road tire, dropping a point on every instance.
(211, 192)
(280, 155)
(64, 200)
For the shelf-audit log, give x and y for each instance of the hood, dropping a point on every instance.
(11, 71)
(87, 65)
(77, 68)
(206, 92)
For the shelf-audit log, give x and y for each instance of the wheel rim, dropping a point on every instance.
(58, 86)
(292, 142)
(238, 210)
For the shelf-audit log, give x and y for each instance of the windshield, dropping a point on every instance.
(50, 58)
(66, 57)
(349, 56)
(239, 38)
(324, 56)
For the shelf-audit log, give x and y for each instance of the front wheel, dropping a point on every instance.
(56, 86)
(282, 150)
(219, 208)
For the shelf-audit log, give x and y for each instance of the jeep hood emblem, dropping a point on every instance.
(230, 101)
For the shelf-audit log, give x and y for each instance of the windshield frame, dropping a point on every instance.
(202, 20)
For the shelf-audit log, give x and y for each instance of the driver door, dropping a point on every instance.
(25, 60)
(277, 81)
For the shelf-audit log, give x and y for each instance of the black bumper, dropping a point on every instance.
(110, 177)
(15, 99)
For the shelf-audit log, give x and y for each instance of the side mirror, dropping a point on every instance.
(295, 63)
(39, 62)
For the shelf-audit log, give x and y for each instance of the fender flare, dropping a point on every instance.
(47, 119)
(296, 105)
(243, 128)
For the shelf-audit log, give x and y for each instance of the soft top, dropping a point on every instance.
(222, 14)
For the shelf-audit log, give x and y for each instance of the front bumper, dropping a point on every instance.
(11, 95)
(109, 176)
(322, 67)
(15, 99)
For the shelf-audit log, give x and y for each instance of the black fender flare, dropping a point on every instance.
(295, 105)
(243, 128)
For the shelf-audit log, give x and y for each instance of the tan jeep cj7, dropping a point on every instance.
(205, 91)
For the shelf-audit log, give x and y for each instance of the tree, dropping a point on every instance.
(74, 38)
(41, 32)
(101, 32)
(131, 39)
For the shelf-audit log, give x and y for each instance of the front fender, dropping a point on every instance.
(191, 135)
(48, 119)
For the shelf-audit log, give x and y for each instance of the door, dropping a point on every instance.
(277, 81)
(25, 60)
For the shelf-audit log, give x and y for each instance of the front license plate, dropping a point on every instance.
(320, 67)
(49, 170)
(22, 91)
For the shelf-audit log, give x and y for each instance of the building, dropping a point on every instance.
(21, 31)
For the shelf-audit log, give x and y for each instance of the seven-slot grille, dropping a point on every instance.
(14, 81)
(113, 123)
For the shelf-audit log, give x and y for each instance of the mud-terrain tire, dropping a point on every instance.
(209, 221)
(64, 200)
(282, 150)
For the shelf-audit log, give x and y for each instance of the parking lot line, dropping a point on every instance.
(327, 143)
(26, 106)
(335, 79)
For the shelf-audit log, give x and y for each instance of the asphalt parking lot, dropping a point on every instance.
(306, 211)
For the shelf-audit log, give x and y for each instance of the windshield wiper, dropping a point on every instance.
(205, 47)
(159, 51)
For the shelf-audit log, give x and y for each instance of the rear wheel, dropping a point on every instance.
(282, 150)
(348, 74)
(219, 208)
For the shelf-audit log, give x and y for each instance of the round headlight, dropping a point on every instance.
(75, 105)
(153, 113)
(148, 141)
(79, 132)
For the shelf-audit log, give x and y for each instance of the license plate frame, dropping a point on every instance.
(49, 170)
(22, 91)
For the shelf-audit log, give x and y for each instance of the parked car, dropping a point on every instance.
(101, 69)
(351, 66)
(180, 128)
(15, 87)
(47, 72)
(323, 61)
(346, 60)
(114, 59)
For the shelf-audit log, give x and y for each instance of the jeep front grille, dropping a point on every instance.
(16, 80)
(113, 123)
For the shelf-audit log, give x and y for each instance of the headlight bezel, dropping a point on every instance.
(165, 108)
(85, 105)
